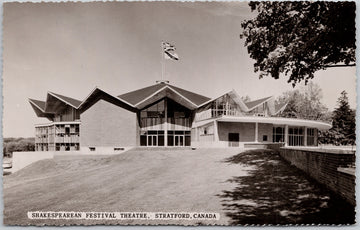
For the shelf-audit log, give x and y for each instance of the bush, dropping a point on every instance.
(11, 145)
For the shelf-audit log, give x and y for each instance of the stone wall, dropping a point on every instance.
(324, 165)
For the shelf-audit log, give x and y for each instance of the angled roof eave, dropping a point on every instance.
(34, 104)
(164, 88)
(61, 99)
(260, 103)
(236, 98)
(40, 112)
(102, 91)
(239, 100)
(282, 108)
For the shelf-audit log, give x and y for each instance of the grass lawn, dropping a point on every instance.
(245, 187)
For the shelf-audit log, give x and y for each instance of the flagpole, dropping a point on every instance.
(162, 60)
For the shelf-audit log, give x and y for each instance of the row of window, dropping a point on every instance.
(296, 136)
(157, 138)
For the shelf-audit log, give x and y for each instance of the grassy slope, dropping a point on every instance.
(252, 187)
(137, 180)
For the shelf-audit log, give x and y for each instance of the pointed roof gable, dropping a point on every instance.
(253, 104)
(39, 104)
(194, 97)
(71, 101)
(137, 96)
(140, 96)
(280, 107)
(99, 94)
(234, 95)
(39, 109)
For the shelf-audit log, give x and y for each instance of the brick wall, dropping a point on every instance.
(107, 125)
(322, 165)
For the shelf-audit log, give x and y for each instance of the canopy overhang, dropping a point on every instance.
(277, 121)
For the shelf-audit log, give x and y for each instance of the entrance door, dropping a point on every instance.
(152, 140)
(234, 139)
(179, 140)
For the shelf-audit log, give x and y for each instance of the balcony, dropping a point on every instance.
(159, 123)
(211, 113)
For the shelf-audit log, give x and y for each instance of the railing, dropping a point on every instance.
(159, 123)
(210, 113)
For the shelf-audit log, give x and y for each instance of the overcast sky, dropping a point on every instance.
(70, 48)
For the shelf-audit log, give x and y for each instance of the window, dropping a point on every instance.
(92, 149)
(296, 136)
(265, 138)
(278, 134)
(310, 137)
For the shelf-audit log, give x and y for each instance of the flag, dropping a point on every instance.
(169, 51)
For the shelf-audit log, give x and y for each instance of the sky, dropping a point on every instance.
(71, 48)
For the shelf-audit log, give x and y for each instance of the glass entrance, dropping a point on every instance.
(152, 140)
(179, 140)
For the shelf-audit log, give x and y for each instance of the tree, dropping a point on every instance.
(299, 38)
(343, 125)
(304, 103)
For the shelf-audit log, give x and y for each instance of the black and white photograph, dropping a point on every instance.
(179, 113)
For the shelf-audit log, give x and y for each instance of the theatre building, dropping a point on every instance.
(163, 115)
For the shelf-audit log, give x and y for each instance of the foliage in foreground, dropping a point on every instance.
(299, 38)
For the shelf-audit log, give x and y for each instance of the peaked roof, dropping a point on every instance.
(279, 108)
(39, 104)
(74, 102)
(253, 104)
(39, 109)
(137, 96)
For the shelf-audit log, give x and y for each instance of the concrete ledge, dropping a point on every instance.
(321, 150)
(274, 146)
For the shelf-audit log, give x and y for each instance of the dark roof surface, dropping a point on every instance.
(69, 100)
(279, 106)
(137, 96)
(252, 104)
(40, 104)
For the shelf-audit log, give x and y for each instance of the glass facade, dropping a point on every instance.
(296, 136)
(165, 116)
(278, 134)
(310, 137)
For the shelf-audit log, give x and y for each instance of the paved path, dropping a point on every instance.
(251, 187)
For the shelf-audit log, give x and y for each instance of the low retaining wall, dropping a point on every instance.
(274, 146)
(326, 166)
